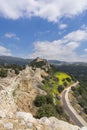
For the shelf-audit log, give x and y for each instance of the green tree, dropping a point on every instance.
(60, 88)
(68, 79)
(40, 100)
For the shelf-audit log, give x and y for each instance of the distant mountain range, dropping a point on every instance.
(13, 60)
(22, 61)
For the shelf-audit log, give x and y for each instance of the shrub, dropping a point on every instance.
(49, 99)
(3, 73)
(59, 109)
(46, 110)
(16, 71)
(43, 99)
(68, 79)
(60, 88)
(73, 88)
(65, 84)
(40, 100)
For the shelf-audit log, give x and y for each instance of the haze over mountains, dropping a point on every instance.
(22, 61)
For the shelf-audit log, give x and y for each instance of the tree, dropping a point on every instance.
(68, 79)
(40, 100)
(60, 88)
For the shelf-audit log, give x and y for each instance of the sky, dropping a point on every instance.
(50, 29)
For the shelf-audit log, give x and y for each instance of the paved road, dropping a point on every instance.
(77, 119)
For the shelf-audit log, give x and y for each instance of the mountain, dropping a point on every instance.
(13, 60)
(22, 61)
(57, 62)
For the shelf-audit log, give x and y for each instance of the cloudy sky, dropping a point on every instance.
(51, 29)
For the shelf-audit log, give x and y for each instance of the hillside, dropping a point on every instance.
(78, 95)
(13, 60)
(36, 90)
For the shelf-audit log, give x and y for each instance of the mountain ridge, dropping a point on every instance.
(23, 61)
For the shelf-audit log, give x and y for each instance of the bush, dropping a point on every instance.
(68, 79)
(73, 88)
(49, 99)
(16, 71)
(46, 110)
(59, 109)
(43, 99)
(40, 100)
(3, 73)
(60, 88)
(65, 84)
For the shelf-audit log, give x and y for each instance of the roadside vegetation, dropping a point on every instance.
(56, 82)
(78, 72)
(46, 107)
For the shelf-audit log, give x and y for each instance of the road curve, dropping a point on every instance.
(76, 118)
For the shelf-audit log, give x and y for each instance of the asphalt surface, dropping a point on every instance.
(70, 113)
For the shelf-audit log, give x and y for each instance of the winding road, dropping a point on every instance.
(76, 118)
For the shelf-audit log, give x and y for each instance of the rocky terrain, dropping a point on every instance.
(17, 94)
(21, 90)
(25, 121)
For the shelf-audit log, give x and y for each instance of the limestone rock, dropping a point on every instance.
(25, 121)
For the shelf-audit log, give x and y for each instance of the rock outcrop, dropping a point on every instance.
(25, 121)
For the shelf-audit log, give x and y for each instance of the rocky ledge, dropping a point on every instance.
(25, 121)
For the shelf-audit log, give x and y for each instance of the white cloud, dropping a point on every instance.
(85, 50)
(52, 10)
(78, 35)
(11, 35)
(63, 49)
(62, 26)
(5, 51)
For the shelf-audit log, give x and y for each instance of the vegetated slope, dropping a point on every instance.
(63, 77)
(79, 93)
(53, 84)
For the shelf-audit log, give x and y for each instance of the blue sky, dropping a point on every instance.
(48, 29)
